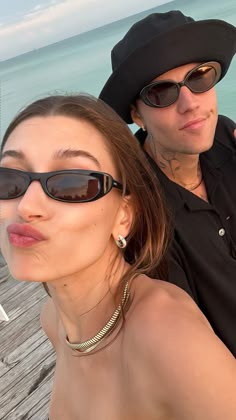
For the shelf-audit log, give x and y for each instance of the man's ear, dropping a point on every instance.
(124, 219)
(136, 117)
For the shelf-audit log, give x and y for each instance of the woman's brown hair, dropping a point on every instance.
(148, 239)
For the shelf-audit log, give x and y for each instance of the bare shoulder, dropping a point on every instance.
(178, 353)
(49, 321)
(161, 302)
(164, 316)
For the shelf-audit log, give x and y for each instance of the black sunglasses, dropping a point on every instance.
(163, 93)
(69, 186)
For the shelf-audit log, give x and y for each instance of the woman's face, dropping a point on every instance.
(72, 236)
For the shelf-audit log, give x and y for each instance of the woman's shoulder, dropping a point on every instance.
(158, 300)
(167, 325)
(163, 312)
(173, 346)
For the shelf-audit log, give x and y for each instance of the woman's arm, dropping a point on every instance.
(196, 371)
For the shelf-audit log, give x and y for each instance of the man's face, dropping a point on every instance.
(188, 125)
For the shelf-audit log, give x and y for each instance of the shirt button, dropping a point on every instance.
(221, 232)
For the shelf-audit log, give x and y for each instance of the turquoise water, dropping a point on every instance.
(82, 63)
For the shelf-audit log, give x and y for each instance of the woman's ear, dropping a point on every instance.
(124, 219)
(135, 115)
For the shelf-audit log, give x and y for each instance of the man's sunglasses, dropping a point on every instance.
(163, 93)
(69, 186)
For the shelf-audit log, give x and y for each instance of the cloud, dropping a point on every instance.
(28, 32)
(60, 19)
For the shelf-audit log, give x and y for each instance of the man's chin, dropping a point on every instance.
(198, 148)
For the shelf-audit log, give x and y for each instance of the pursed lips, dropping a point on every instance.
(23, 235)
(25, 230)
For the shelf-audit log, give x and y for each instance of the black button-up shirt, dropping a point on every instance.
(203, 252)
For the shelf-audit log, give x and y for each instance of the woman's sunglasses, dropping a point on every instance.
(69, 186)
(163, 93)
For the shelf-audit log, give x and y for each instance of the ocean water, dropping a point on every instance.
(82, 63)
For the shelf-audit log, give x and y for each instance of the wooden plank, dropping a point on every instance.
(21, 352)
(36, 405)
(26, 385)
(26, 364)
(19, 330)
(27, 359)
(15, 289)
(22, 313)
(6, 281)
(19, 303)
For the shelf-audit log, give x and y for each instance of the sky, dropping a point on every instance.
(29, 24)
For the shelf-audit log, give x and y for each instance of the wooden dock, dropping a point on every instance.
(27, 359)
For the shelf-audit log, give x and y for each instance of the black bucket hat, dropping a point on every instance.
(159, 43)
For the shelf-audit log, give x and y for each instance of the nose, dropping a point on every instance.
(187, 100)
(34, 204)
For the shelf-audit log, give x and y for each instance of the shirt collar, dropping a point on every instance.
(212, 160)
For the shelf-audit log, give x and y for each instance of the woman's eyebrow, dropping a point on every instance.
(59, 154)
(70, 153)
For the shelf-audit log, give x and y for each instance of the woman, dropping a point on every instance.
(80, 210)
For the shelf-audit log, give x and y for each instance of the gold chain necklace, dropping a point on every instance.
(89, 345)
(196, 186)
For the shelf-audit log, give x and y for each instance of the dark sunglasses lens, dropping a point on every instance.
(12, 185)
(73, 187)
(201, 79)
(162, 94)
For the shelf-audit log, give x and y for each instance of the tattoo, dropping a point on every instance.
(168, 161)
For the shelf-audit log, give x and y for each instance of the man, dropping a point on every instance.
(164, 72)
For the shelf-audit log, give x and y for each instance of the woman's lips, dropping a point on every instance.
(22, 235)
